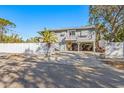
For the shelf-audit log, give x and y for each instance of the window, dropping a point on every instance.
(72, 33)
(84, 34)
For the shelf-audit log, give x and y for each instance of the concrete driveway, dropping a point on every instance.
(69, 70)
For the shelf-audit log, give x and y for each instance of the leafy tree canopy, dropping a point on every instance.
(48, 36)
(109, 21)
(5, 24)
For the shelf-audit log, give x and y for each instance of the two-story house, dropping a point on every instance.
(76, 39)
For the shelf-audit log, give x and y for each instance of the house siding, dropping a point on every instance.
(81, 35)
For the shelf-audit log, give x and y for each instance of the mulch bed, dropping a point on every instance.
(119, 64)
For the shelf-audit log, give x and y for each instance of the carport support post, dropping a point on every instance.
(94, 46)
(78, 46)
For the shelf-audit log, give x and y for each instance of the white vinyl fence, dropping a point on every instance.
(32, 48)
(114, 50)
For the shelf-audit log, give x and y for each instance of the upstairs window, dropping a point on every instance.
(84, 34)
(72, 33)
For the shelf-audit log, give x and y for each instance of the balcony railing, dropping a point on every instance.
(76, 37)
(71, 37)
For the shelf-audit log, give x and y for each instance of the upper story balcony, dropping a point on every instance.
(71, 38)
(81, 37)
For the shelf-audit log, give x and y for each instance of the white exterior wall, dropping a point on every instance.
(33, 48)
(90, 35)
(61, 40)
(114, 50)
(62, 45)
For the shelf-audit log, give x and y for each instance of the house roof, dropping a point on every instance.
(74, 28)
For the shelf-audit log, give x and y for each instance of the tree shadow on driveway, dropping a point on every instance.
(35, 74)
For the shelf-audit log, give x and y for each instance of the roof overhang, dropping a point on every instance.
(75, 28)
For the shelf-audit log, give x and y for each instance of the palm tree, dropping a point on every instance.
(33, 40)
(49, 38)
(4, 27)
(14, 38)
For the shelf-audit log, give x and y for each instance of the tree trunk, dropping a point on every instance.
(48, 50)
(1, 35)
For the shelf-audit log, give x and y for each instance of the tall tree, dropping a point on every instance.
(5, 26)
(49, 38)
(108, 20)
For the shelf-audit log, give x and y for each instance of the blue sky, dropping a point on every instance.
(31, 19)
